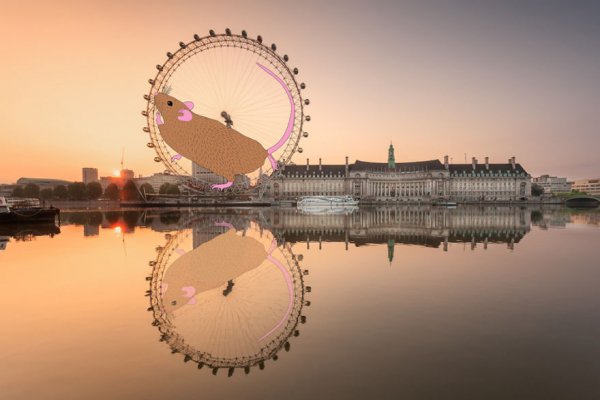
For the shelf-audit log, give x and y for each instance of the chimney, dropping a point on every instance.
(307, 164)
(487, 163)
(346, 170)
(319, 163)
(512, 162)
(446, 162)
(474, 162)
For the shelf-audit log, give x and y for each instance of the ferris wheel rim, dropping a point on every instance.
(178, 343)
(221, 40)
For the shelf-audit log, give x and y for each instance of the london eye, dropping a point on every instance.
(238, 82)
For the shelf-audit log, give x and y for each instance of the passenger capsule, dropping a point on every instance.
(146, 97)
(151, 81)
(295, 71)
(244, 34)
(159, 67)
(303, 85)
(306, 102)
(300, 150)
(228, 31)
(144, 113)
(273, 47)
(169, 54)
(157, 159)
(212, 33)
(146, 129)
(182, 45)
(150, 144)
(196, 37)
(259, 39)
(305, 134)
(307, 118)
(286, 58)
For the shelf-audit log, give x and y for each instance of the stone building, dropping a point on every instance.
(420, 181)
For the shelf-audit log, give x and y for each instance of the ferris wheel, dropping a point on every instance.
(228, 103)
(227, 310)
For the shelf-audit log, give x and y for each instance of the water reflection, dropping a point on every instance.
(225, 293)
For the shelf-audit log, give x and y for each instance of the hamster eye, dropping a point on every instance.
(169, 103)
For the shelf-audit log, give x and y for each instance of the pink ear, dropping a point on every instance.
(185, 115)
(189, 104)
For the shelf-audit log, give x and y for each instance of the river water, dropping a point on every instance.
(387, 303)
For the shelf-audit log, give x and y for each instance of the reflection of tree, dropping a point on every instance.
(112, 217)
(95, 218)
(131, 218)
(77, 218)
(170, 218)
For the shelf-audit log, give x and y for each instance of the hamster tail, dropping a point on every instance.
(290, 125)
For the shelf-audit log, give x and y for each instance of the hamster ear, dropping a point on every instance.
(189, 104)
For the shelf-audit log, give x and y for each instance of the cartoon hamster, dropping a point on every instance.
(212, 144)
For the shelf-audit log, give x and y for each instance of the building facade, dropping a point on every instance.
(552, 184)
(589, 186)
(421, 181)
(89, 175)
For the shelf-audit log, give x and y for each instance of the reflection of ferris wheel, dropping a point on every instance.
(240, 82)
(226, 315)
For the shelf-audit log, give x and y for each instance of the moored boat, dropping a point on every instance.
(26, 211)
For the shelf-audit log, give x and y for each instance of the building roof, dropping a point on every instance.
(326, 169)
(400, 167)
(481, 169)
(42, 181)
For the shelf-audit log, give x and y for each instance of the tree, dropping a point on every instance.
(112, 192)
(169, 188)
(31, 190)
(17, 191)
(76, 191)
(164, 188)
(536, 190)
(94, 190)
(174, 189)
(130, 191)
(147, 188)
(61, 192)
(46, 194)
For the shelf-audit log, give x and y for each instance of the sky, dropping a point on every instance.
(458, 78)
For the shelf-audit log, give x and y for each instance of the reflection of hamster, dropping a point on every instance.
(209, 266)
(211, 144)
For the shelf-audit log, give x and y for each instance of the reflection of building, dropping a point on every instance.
(89, 175)
(91, 230)
(410, 181)
(552, 184)
(419, 225)
(589, 186)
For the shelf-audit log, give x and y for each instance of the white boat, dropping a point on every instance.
(307, 202)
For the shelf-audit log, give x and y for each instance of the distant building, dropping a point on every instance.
(552, 184)
(408, 181)
(589, 186)
(107, 180)
(205, 175)
(7, 190)
(42, 182)
(89, 175)
(157, 180)
(127, 174)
